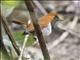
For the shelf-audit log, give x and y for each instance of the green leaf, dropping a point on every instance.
(30, 41)
(7, 6)
(9, 3)
(20, 38)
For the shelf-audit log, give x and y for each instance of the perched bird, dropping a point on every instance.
(47, 24)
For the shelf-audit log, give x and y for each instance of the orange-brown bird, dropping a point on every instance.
(47, 23)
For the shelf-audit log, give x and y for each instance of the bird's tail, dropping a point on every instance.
(18, 22)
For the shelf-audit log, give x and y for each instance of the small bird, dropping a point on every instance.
(47, 24)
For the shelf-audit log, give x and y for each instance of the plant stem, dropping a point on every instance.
(30, 6)
(4, 22)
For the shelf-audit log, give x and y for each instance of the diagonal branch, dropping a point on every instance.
(34, 20)
(23, 46)
(40, 7)
(9, 33)
(62, 27)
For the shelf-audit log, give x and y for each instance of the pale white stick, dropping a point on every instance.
(40, 7)
(64, 35)
(62, 27)
(22, 50)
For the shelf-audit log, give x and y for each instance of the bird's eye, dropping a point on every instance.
(56, 18)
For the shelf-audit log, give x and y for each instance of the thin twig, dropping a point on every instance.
(8, 31)
(39, 6)
(23, 46)
(2, 46)
(62, 27)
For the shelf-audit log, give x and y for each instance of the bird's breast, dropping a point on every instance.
(47, 30)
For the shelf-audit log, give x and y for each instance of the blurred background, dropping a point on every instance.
(67, 49)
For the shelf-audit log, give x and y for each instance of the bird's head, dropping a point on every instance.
(56, 16)
(56, 19)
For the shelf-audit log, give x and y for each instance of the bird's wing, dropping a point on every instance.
(45, 20)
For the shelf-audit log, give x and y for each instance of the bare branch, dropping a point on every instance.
(8, 31)
(23, 46)
(62, 27)
(40, 7)
(34, 20)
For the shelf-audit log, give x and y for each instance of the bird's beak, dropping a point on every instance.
(61, 17)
